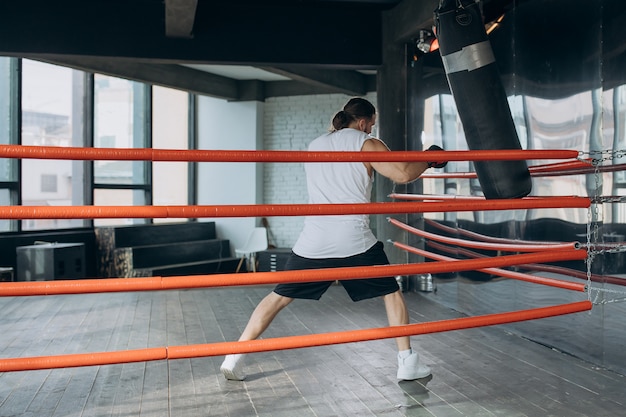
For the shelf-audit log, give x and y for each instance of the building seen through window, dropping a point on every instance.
(53, 114)
(48, 98)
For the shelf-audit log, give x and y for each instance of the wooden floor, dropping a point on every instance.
(478, 372)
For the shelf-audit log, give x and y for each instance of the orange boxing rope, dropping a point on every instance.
(445, 175)
(558, 168)
(502, 272)
(30, 288)
(605, 279)
(577, 167)
(478, 236)
(520, 247)
(574, 163)
(283, 343)
(438, 197)
(174, 155)
(573, 169)
(270, 210)
(562, 166)
(447, 197)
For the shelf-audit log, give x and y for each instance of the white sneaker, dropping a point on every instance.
(410, 368)
(232, 367)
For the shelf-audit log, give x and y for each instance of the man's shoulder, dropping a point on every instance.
(374, 144)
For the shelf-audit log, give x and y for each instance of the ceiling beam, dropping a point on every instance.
(196, 81)
(340, 81)
(298, 88)
(167, 75)
(179, 18)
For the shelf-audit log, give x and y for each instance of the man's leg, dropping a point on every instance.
(409, 366)
(263, 315)
(397, 315)
(259, 321)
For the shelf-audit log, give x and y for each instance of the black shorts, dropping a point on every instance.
(357, 289)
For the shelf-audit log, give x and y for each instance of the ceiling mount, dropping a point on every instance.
(180, 16)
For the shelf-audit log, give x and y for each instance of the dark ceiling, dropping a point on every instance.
(316, 46)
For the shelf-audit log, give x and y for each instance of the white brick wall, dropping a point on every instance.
(290, 123)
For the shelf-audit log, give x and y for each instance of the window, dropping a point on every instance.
(49, 183)
(51, 104)
(121, 120)
(170, 114)
(8, 136)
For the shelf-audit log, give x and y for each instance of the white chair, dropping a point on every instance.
(257, 241)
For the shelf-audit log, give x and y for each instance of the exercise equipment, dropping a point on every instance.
(480, 98)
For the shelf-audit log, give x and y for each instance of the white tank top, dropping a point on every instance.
(337, 236)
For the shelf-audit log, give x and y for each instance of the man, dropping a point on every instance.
(342, 240)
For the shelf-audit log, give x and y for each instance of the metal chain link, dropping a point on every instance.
(610, 156)
(605, 290)
(592, 230)
(615, 249)
(608, 199)
(597, 158)
(594, 218)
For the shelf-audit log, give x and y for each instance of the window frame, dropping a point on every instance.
(83, 127)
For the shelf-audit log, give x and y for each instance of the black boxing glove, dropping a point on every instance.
(436, 164)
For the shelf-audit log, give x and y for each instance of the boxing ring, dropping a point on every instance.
(529, 252)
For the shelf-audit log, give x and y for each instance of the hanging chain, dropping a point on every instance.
(597, 159)
(591, 251)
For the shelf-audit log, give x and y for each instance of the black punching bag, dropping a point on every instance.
(480, 97)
